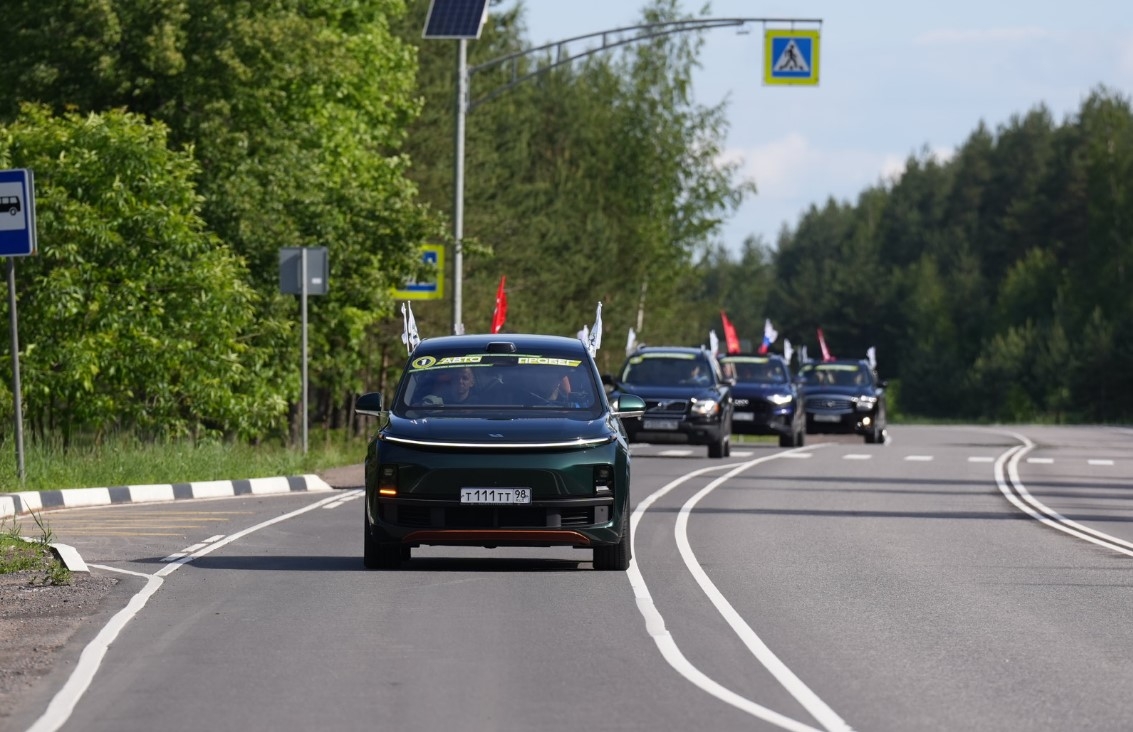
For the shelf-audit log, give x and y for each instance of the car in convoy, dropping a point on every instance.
(766, 398)
(688, 400)
(844, 396)
(492, 440)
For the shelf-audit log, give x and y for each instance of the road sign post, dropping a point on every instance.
(17, 239)
(303, 272)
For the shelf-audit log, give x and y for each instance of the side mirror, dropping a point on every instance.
(369, 404)
(629, 406)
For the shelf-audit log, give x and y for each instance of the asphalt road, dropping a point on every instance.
(955, 578)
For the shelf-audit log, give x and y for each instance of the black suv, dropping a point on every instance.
(844, 396)
(767, 400)
(687, 398)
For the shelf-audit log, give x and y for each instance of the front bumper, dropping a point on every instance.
(760, 417)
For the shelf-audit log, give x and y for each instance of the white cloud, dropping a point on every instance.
(981, 36)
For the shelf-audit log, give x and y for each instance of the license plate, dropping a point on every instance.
(495, 495)
(827, 418)
(660, 424)
(743, 417)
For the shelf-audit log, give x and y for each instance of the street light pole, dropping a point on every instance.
(458, 185)
(607, 39)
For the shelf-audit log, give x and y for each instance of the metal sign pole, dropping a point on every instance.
(303, 278)
(16, 369)
(458, 186)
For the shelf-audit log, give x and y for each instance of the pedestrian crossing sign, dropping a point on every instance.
(790, 57)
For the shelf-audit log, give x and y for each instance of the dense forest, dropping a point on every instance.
(176, 150)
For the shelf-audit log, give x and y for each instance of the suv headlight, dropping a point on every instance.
(705, 407)
(780, 399)
(866, 403)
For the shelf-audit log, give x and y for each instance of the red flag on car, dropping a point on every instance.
(731, 340)
(822, 344)
(500, 313)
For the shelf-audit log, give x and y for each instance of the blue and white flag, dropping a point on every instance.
(769, 336)
(713, 342)
(788, 351)
(871, 354)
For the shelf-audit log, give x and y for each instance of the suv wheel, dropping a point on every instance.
(615, 558)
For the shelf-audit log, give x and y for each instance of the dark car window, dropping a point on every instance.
(837, 374)
(663, 369)
(758, 370)
(441, 384)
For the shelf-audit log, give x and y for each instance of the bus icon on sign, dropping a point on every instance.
(11, 204)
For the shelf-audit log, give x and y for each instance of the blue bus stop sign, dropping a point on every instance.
(17, 213)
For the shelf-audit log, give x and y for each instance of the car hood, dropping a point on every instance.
(675, 391)
(498, 431)
(751, 390)
(848, 391)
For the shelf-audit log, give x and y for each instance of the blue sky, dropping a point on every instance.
(896, 77)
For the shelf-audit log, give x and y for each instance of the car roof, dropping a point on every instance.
(757, 357)
(479, 342)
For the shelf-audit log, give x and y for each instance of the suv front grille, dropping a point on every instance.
(666, 406)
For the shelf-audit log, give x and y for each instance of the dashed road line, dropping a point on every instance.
(1100, 462)
(857, 456)
(919, 458)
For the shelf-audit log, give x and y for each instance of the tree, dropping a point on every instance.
(135, 317)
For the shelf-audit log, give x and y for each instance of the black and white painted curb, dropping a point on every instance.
(24, 502)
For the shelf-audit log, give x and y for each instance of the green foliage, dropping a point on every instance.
(991, 284)
(134, 316)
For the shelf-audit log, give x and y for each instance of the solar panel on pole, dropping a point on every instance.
(455, 18)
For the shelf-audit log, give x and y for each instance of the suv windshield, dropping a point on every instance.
(756, 370)
(837, 374)
(666, 369)
(441, 384)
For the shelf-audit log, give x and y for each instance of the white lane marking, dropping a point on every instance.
(792, 683)
(675, 453)
(1040, 461)
(1040, 512)
(193, 548)
(981, 459)
(350, 495)
(1100, 462)
(919, 458)
(857, 456)
(63, 703)
(740, 453)
(655, 622)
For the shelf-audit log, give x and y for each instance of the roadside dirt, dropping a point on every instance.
(36, 622)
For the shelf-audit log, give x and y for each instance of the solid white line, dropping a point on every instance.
(655, 623)
(792, 683)
(1040, 512)
(63, 703)
(797, 455)
(172, 557)
(211, 539)
(1100, 462)
(919, 458)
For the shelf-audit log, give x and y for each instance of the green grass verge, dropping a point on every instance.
(17, 554)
